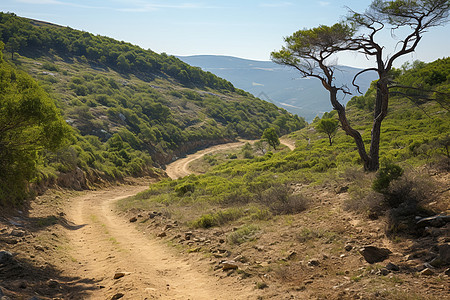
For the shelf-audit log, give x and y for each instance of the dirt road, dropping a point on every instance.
(105, 244)
(180, 167)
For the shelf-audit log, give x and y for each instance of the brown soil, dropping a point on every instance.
(73, 244)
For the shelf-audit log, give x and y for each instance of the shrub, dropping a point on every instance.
(244, 234)
(182, 189)
(280, 200)
(218, 218)
(384, 177)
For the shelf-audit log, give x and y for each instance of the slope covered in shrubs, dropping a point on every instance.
(413, 135)
(132, 109)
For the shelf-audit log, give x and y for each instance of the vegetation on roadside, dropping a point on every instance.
(132, 110)
(417, 135)
(29, 123)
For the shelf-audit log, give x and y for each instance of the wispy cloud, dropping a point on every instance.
(148, 6)
(324, 3)
(276, 4)
(58, 2)
(42, 2)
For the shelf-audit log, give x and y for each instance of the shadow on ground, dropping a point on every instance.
(22, 279)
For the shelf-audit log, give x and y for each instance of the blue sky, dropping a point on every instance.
(248, 29)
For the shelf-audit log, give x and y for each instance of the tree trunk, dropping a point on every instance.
(380, 112)
(350, 131)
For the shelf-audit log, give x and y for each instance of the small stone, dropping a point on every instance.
(348, 247)
(161, 235)
(427, 272)
(392, 267)
(188, 235)
(436, 262)
(5, 257)
(17, 233)
(117, 296)
(167, 227)
(229, 265)
(119, 275)
(374, 254)
(292, 255)
(39, 248)
(52, 284)
(434, 221)
(383, 272)
(342, 189)
(133, 219)
(313, 263)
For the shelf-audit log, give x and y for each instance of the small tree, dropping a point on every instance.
(412, 17)
(271, 137)
(329, 127)
(29, 123)
(310, 50)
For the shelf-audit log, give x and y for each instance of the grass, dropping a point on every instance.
(243, 234)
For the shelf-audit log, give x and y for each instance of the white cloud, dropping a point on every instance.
(41, 2)
(147, 6)
(324, 3)
(276, 4)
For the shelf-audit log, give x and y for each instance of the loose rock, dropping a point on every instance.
(117, 296)
(5, 257)
(313, 263)
(17, 233)
(52, 284)
(427, 272)
(374, 254)
(434, 221)
(133, 219)
(119, 275)
(392, 267)
(161, 235)
(348, 247)
(229, 265)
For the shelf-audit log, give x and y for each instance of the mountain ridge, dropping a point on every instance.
(280, 85)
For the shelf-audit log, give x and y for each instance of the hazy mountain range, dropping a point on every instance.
(278, 84)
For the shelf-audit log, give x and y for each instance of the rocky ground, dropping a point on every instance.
(324, 253)
(69, 245)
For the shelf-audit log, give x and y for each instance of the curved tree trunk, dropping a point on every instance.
(367, 160)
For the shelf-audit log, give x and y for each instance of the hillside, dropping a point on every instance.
(131, 109)
(259, 223)
(278, 84)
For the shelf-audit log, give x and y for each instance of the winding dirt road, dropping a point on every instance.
(105, 244)
(102, 244)
(180, 167)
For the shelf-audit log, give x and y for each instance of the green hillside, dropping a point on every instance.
(132, 109)
(415, 134)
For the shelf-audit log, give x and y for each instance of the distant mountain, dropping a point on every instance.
(280, 85)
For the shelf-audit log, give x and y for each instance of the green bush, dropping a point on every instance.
(182, 189)
(384, 176)
(244, 234)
